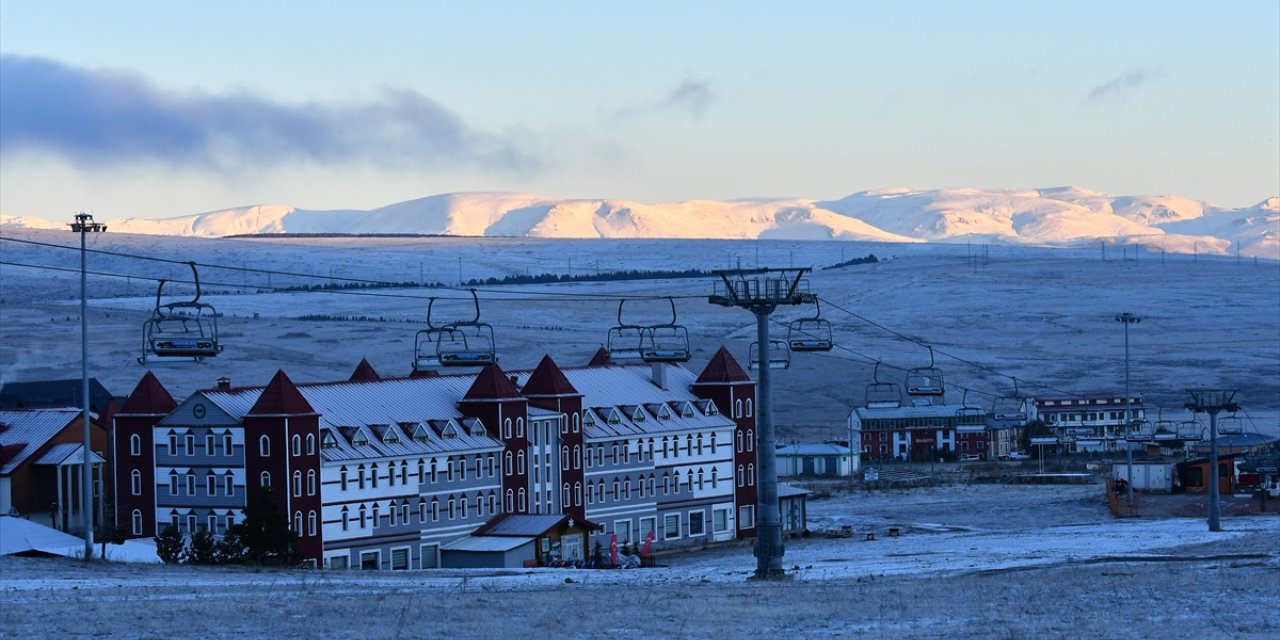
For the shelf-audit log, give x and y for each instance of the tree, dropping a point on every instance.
(265, 532)
(202, 550)
(1034, 429)
(169, 544)
(230, 549)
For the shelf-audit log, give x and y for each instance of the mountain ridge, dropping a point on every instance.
(1052, 216)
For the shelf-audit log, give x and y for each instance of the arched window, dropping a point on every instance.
(264, 446)
(135, 482)
(522, 505)
(715, 473)
(265, 479)
(520, 462)
(342, 477)
(297, 485)
(297, 444)
(346, 518)
(737, 409)
(564, 458)
(564, 495)
(360, 477)
(297, 522)
(422, 471)
(577, 456)
(373, 475)
(751, 475)
(137, 522)
(699, 479)
(742, 482)
(508, 460)
(506, 428)
(364, 517)
(738, 438)
(577, 493)
(135, 445)
(751, 440)
(311, 523)
(311, 482)
(748, 407)
(699, 444)
(434, 469)
(519, 427)
(577, 423)
(311, 446)
(713, 443)
(510, 501)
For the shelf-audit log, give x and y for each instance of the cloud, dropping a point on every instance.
(691, 96)
(1120, 86)
(98, 118)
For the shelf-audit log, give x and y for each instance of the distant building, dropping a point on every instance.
(386, 472)
(809, 460)
(41, 465)
(53, 393)
(1088, 422)
(921, 432)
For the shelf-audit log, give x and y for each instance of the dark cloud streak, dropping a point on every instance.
(97, 118)
(692, 96)
(1120, 86)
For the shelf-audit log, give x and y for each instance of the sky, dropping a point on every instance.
(156, 109)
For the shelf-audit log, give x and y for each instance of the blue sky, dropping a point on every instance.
(162, 108)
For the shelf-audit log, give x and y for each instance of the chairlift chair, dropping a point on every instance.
(1139, 431)
(970, 418)
(465, 343)
(1009, 409)
(1230, 426)
(664, 343)
(925, 381)
(180, 330)
(779, 355)
(810, 334)
(1190, 431)
(882, 394)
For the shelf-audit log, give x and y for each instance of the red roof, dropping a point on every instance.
(548, 380)
(723, 368)
(424, 373)
(280, 396)
(600, 359)
(492, 384)
(364, 372)
(149, 397)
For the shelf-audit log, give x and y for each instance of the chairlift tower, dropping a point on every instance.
(761, 291)
(84, 224)
(1128, 319)
(1213, 402)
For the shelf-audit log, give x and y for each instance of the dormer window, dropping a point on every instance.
(420, 433)
(638, 416)
(450, 431)
(687, 410)
(327, 441)
(588, 418)
(358, 439)
(663, 414)
(389, 436)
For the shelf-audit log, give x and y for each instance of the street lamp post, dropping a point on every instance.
(1213, 402)
(1128, 319)
(84, 224)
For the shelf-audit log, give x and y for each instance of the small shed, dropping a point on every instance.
(1155, 476)
(1193, 474)
(809, 460)
(794, 505)
(487, 552)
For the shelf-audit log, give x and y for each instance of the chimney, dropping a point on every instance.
(224, 383)
(659, 375)
(513, 381)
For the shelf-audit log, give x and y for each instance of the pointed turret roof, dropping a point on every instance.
(548, 380)
(149, 397)
(491, 384)
(280, 396)
(722, 368)
(600, 359)
(364, 372)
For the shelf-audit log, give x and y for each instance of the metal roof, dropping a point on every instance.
(812, 449)
(487, 543)
(32, 428)
(68, 453)
(518, 524)
(913, 411)
(788, 491)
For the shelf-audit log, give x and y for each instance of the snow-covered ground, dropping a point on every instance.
(1052, 563)
(1044, 316)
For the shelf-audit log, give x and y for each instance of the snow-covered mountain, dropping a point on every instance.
(1060, 216)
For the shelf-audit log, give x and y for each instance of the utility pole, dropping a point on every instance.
(760, 291)
(1213, 402)
(84, 224)
(1128, 319)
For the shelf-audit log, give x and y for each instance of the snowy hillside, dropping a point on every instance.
(1063, 216)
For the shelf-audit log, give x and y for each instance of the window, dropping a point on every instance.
(422, 471)
(311, 523)
(671, 526)
(137, 522)
(508, 459)
(564, 458)
(647, 526)
(297, 445)
(616, 494)
(429, 557)
(212, 523)
(751, 440)
(623, 529)
(720, 520)
(697, 526)
(453, 508)
(713, 443)
(173, 483)
(626, 489)
(435, 509)
(191, 483)
(173, 444)
(135, 445)
(342, 478)
(208, 444)
(226, 444)
(191, 523)
(189, 442)
(737, 409)
(400, 559)
(577, 456)
(265, 479)
(370, 560)
(742, 476)
(462, 507)
(311, 482)
(375, 515)
(506, 428)
(373, 475)
(346, 518)
(651, 485)
(751, 475)
(577, 493)
(364, 516)
(229, 520)
(434, 469)
(748, 407)
(493, 503)
(519, 427)
(135, 484)
(564, 495)
(297, 487)
(746, 516)
(392, 515)
(462, 468)
(264, 446)
(311, 444)
(210, 485)
(739, 442)
(520, 462)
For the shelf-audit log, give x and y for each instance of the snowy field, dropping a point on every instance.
(1045, 316)
(982, 561)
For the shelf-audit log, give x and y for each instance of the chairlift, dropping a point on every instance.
(1230, 426)
(882, 394)
(925, 381)
(810, 334)
(180, 330)
(1190, 431)
(1009, 408)
(466, 343)
(1140, 431)
(625, 341)
(779, 355)
(667, 342)
(969, 417)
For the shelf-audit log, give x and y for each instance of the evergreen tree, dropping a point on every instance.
(202, 550)
(169, 544)
(265, 532)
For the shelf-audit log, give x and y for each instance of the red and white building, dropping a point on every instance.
(385, 472)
